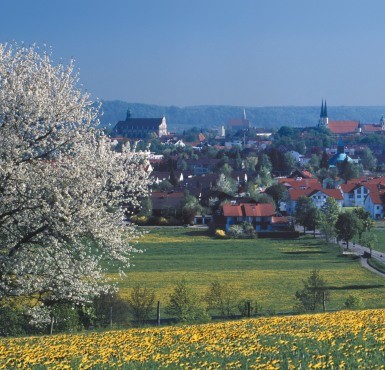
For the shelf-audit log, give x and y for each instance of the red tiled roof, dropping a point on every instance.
(298, 184)
(343, 127)
(349, 187)
(238, 122)
(232, 210)
(259, 209)
(248, 210)
(307, 174)
(334, 193)
(297, 193)
(279, 220)
(377, 196)
(201, 137)
(371, 127)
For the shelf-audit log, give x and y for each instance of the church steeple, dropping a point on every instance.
(323, 119)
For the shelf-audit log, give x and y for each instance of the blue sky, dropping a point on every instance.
(203, 52)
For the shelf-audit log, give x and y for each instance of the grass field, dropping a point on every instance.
(339, 340)
(379, 231)
(269, 271)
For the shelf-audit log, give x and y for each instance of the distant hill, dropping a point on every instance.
(179, 118)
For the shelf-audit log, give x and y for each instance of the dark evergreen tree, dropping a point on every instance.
(324, 163)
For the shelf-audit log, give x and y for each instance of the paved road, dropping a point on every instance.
(359, 250)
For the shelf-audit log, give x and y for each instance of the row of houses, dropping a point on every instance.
(366, 192)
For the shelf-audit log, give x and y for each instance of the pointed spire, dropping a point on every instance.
(322, 109)
(325, 110)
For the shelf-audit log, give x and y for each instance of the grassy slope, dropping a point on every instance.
(268, 270)
(379, 230)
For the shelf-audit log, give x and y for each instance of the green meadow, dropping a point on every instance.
(267, 270)
(379, 231)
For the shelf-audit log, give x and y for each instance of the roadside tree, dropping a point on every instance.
(369, 240)
(366, 221)
(347, 227)
(328, 217)
(304, 213)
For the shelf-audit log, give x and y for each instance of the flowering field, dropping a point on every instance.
(267, 270)
(341, 340)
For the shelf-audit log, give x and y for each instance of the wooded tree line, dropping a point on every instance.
(332, 223)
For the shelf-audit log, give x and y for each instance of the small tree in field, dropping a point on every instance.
(186, 305)
(140, 303)
(222, 297)
(62, 186)
(314, 293)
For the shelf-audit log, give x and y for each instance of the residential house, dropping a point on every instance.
(166, 204)
(354, 194)
(374, 203)
(258, 214)
(318, 196)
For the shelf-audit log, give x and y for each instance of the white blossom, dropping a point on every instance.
(62, 186)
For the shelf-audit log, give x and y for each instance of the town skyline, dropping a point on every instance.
(217, 53)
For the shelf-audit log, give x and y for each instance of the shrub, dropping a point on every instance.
(220, 233)
(12, 322)
(109, 306)
(235, 231)
(222, 297)
(243, 230)
(139, 220)
(163, 221)
(186, 305)
(313, 294)
(255, 307)
(354, 301)
(66, 317)
(141, 303)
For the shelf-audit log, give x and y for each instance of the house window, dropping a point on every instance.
(358, 196)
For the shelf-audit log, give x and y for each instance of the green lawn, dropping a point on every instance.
(267, 270)
(379, 230)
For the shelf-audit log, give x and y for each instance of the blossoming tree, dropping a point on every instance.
(62, 186)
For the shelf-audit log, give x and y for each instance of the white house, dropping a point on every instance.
(374, 204)
(318, 196)
(354, 194)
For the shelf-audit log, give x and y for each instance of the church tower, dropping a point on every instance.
(382, 123)
(323, 118)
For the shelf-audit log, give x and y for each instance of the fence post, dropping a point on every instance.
(158, 314)
(111, 317)
(324, 301)
(248, 309)
(52, 322)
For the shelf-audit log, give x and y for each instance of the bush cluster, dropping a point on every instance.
(245, 230)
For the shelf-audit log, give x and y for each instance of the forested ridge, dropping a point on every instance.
(179, 118)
